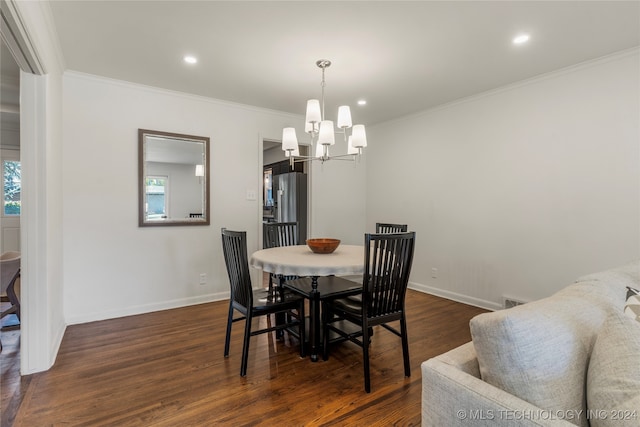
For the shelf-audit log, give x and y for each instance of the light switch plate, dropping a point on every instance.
(251, 195)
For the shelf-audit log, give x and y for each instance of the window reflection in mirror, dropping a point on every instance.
(173, 179)
(157, 195)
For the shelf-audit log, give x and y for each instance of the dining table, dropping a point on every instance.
(299, 260)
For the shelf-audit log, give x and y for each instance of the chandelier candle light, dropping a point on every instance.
(322, 131)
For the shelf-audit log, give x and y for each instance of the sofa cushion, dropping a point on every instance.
(539, 351)
(610, 294)
(613, 380)
(632, 307)
(625, 275)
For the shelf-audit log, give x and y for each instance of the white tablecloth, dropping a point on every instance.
(300, 261)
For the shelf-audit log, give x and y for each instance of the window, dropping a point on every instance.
(157, 188)
(11, 179)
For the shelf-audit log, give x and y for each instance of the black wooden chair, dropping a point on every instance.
(280, 234)
(382, 227)
(388, 260)
(253, 303)
(276, 234)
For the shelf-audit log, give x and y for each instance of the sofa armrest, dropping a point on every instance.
(454, 395)
(463, 358)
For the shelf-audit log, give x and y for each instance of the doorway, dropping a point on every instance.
(10, 209)
(10, 151)
(275, 165)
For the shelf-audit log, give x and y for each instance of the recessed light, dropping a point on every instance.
(522, 38)
(190, 59)
(362, 102)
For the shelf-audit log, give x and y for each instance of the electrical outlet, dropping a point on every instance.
(434, 273)
(203, 278)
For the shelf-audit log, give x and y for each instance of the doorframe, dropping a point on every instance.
(37, 347)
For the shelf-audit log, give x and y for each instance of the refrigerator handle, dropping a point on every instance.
(279, 216)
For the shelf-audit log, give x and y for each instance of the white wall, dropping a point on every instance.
(273, 155)
(113, 267)
(519, 191)
(338, 205)
(10, 139)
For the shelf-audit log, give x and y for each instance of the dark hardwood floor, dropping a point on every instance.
(167, 369)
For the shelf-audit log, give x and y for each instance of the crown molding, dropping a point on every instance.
(634, 51)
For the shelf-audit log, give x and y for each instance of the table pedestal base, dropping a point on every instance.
(330, 287)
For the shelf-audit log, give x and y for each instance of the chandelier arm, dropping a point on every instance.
(338, 157)
(342, 157)
(304, 159)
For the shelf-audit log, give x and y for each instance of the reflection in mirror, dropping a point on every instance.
(173, 179)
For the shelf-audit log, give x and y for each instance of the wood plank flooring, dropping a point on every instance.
(167, 369)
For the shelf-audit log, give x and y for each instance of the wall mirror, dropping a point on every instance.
(173, 179)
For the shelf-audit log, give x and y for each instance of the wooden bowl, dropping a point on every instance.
(323, 246)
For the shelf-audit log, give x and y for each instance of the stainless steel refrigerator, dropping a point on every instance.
(291, 201)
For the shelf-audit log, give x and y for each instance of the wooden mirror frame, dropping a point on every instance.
(205, 217)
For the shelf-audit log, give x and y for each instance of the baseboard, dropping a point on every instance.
(146, 308)
(476, 302)
(57, 341)
(201, 299)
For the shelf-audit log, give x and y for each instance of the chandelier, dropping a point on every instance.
(323, 132)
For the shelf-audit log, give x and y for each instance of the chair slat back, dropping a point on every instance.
(278, 234)
(388, 260)
(382, 227)
(234, 247)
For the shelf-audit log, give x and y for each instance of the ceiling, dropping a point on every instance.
(402, 57)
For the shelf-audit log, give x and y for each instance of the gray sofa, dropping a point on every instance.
(569, 359)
